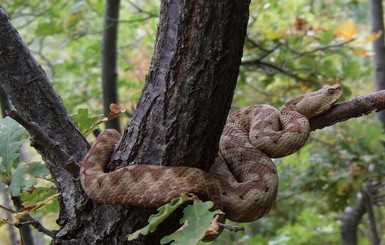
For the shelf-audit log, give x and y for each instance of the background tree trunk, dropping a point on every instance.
(377, 22)
(351, 219)
(109, 68)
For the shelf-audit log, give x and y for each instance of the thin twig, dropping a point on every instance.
(8, 209)
(29, 220)
(261, 63)
(317, 49)
(232, 228)
(141, 10)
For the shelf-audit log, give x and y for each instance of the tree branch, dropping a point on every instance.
(33, 96)
(356, 107)
(317, 49)
(29, 220)
(38, 135)
(272, 66)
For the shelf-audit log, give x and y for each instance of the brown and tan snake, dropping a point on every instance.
(243, 180)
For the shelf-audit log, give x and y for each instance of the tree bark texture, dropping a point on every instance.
(188, 90)
(377, 22)
(190, 84)
(109, 51)
(53, 132)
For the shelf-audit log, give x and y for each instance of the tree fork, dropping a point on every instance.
(189, 87)
(188, 90)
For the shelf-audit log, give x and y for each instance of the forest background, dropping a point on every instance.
(330, 191)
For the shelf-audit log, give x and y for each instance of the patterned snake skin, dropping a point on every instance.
(243, 181)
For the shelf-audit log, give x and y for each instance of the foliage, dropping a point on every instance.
(195, 222)
(323, 230)
(18, 175)
(30, 181)
(12, 136)
(293, 47)
(86, 122)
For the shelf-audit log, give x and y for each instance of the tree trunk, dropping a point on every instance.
(188, 90)
(350, 221)
(109, 50)
(377, 22)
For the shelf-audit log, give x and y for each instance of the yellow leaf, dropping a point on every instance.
(347, 31)
(374, 36)
(359, 51)
(73, 19)
(273, 34)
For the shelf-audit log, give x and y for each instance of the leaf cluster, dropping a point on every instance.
(28, 180)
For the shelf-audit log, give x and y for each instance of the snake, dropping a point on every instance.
(242, 181)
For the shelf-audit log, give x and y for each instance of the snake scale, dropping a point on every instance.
(243, 180)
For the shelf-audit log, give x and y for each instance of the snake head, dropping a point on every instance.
(318, 102)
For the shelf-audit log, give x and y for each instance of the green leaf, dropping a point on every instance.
(326, 37)
(4, 221)
(37, 206)
(84, 121)
(196, 221)
(24, 176)
(38, 195)
(163, 212)
(49, 28)
(12, 136)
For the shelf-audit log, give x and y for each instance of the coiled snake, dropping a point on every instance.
(243, 180)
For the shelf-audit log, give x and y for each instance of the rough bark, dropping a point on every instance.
(188, 90)
(40, 110)
(377, 23)
(190, 84)
(109, 51)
